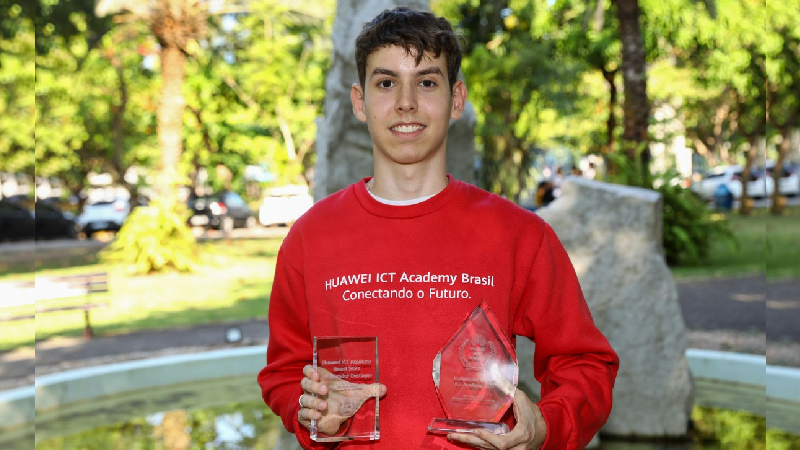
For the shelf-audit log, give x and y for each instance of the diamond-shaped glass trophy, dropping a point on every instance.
(475, 375)
(349, 367)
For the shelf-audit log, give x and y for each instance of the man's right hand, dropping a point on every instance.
(336, 400)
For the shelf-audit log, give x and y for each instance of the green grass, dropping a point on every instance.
(233, 283)
(767, 244)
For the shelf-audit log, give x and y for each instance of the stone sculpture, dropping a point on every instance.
(613, 236)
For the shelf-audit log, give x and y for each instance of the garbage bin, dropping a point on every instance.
(723, 199)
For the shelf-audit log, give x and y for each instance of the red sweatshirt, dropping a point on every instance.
(446, 254)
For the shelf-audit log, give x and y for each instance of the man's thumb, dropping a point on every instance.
(381, 389)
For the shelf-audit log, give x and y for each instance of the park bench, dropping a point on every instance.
(48, 293)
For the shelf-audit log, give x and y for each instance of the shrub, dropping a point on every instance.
(689, 227)
(154, 238)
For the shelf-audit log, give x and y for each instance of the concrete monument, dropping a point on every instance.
(613, 236)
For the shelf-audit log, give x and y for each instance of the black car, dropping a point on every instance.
(17, 220)
(221, 211)
(53, 223)
(22, 218)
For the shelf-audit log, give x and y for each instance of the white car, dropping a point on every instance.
(105, 215)
(789, 183)
(759, 185)
(717, 176)
(284, 205)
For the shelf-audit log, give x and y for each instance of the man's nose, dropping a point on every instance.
(407, 101)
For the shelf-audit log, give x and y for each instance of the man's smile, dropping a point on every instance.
(409, 128)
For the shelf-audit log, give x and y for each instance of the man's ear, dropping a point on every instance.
(357, 98)
(459, 99)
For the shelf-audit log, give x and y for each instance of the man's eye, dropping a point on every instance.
(385, 83)
(428, 83)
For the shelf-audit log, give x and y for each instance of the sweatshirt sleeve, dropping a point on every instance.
(573, 361)
(290, 348)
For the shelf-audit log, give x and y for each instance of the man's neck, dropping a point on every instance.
(407, 183)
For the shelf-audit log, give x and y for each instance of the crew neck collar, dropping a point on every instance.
(405, 211)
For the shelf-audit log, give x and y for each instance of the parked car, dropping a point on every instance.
(789, 183)
(105, 215)
(17, 221)
(53, 223)
(758, 185)
(225, 211)
(284, 205)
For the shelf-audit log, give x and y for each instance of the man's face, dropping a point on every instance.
(406, 106)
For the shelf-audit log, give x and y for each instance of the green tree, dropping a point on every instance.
(176, 25)
(518, 84)
(253, 98)
(17, 84)
(100, 127)
(782, 49)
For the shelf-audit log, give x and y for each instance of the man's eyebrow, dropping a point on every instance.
(382, 71)
(429, 71)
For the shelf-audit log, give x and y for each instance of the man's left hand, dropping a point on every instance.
(529, 433)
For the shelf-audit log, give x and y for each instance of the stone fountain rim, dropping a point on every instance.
(19, 406)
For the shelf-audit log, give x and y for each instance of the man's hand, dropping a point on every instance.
(529, 433)
(337, 400)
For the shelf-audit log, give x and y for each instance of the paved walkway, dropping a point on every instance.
(739, 304)
(743, 304)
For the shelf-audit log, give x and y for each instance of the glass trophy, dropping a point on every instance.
(475, 375)
(349, 367)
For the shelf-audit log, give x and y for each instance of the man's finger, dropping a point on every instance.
(313, 387)
(508, 440)
(310, 373)
(313, 403)
(470, 439)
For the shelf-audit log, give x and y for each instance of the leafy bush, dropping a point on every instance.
(154, 238)
(689, 227)
(729, 429)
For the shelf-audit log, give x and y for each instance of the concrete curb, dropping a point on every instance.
(19, 406)
(728, 366)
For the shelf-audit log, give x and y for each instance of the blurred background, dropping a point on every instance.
(170, 144)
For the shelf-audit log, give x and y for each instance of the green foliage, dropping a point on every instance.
(253, 95)
(17, 82)
(781, 440)
(154, 238)
(520, 85)
(732, 430)
(689, 227)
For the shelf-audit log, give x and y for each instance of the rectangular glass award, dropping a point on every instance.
(475, 375)
(349, 367)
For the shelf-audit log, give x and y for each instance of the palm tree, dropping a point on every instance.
(177, 25)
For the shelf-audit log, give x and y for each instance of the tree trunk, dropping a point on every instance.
(778, 200)
(611, 122)
(119, 144)
(636, 105)
(745, 205)
(170, 120)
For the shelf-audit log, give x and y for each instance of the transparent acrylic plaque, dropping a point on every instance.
(475, 375)
(349, 367)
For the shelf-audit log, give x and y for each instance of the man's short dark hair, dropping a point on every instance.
(419, 31)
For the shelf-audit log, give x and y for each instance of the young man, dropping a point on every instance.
(410, 220)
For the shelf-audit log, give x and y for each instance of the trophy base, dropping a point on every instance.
(366, 437)
(445, 426)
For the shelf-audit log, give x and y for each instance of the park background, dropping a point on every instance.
(225, 95)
